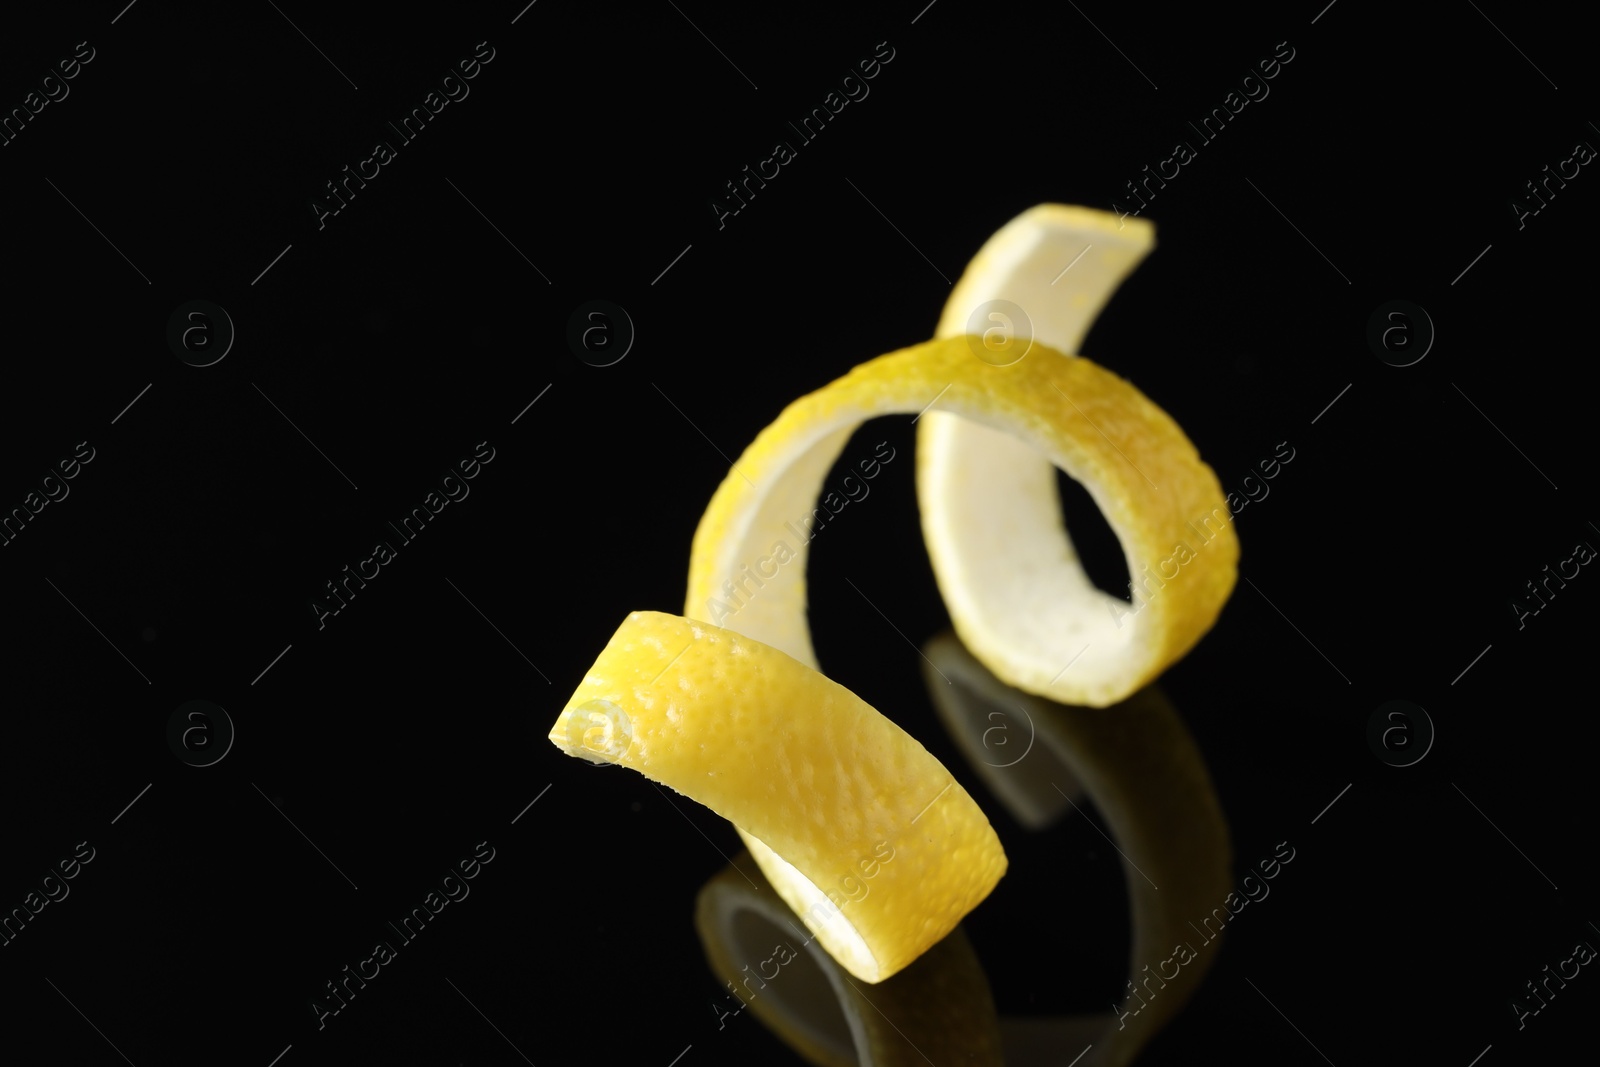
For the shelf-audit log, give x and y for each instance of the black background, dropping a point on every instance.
(415, 324)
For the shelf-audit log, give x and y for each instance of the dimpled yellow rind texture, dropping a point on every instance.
(1135, 461)
(808, 769)
(1012, 580)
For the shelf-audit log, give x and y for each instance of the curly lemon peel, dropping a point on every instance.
(849, 816)
(1014, 589)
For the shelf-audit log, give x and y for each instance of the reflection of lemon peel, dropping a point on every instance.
(991, 512)
(861, 830)
(1139, 767)
(1016, 603)
(939, 1008)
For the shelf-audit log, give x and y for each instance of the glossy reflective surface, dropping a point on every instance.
(383, 511)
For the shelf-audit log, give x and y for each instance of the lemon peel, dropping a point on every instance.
(1014, 591)
(940, 1007)
(1002, 556)
(849, 816)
